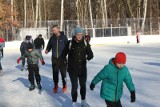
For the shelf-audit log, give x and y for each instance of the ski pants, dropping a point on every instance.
(74, 81)
(56, 68)
(33, 70)
(113, 104)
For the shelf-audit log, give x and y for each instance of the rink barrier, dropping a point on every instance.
(102, 40)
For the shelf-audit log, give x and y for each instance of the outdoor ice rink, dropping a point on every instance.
(143, 61)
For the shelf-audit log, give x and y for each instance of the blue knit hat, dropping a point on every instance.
(77, 30)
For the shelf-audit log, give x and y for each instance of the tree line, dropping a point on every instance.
(17, 13)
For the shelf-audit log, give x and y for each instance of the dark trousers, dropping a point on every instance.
(113, 104)
(33, 70)
(56, 68)
(74, 81)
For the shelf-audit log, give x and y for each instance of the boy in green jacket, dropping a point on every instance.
(113, 75)
(33, 57)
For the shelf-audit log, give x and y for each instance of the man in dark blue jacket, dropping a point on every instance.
(57, 43)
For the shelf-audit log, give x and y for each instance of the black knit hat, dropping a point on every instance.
(27, 37)
(29, 46)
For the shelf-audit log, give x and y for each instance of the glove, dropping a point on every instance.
(133, 96)
(18, 60)
(42, 61)
(92, 86)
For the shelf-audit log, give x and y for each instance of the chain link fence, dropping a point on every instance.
(109, 28)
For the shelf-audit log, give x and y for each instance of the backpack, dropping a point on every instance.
(70, 43)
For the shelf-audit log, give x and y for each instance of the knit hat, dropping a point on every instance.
(120, 58)
(27, 37)
(40, 35)
(29, 46)
(77, 30)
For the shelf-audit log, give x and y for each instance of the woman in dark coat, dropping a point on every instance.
(79, 51)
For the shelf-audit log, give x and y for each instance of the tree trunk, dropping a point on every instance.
(37, 5)
(25, 14)
(62, 15)
(39, 14)
(145, 12)
(90, 11)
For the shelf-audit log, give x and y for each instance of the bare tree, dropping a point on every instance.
(144, 16)
(62, 15)
(37, 12)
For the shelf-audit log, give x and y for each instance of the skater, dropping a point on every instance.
(138, 37)
(23, 48)
(87, 37)
(39, 43)
(113, 75)
(79, 51)
(2, 45)
(57, 43)
(33, 57)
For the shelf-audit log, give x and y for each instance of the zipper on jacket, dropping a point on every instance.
(57, 48)
(116, 88)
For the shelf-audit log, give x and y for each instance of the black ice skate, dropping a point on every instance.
(32, 87)
(39, 86)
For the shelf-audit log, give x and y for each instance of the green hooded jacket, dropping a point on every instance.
(112, 81)
(33, 57)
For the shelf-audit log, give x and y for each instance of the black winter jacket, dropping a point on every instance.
(78, 53)
(57, 45)
(39, 43)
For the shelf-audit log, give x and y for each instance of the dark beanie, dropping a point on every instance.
(27, 37)
(120, 58)
(29, 46)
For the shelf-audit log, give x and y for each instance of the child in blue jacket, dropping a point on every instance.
(113, 75)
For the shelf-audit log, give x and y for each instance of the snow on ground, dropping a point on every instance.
(143, 62)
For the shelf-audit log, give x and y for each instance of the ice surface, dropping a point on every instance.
(143, 62)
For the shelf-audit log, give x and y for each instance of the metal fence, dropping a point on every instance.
(115, 27)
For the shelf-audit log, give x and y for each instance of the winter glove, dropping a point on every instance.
(42, 61)
(92, 86)
(18, 60)
(133, 96)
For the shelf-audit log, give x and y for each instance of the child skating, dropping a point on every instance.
(2, 45)
(113, 75)
(33, 57)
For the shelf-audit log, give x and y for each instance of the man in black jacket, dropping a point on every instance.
(79, 51)
(57, 43)
(39, 43)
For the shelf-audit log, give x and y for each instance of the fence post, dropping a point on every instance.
(111, 30)
(119, 30)
(94, 32)
(151, 26)
(67, 31)
(86, 29)
(159, 28)
(48, 30)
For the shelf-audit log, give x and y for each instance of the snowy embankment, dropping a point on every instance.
(103, 40)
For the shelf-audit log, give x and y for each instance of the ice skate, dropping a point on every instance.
(39, 86)
(32, 87)
(74, 104)
(84, 103)
(22, 68)
(1, 72)
(64, 89)
(55, 89)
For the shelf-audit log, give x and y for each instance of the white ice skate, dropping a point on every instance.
(84, 103)
(1, 72)
(74, 104)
